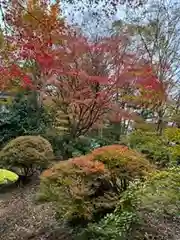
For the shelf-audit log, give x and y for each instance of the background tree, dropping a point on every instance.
(23, 118)
(56, 55)
(157, 37)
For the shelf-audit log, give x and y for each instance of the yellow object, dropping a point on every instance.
(7, 176)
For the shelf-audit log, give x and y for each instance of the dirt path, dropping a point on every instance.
(22, 218)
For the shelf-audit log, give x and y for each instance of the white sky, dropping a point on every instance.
(87, 21)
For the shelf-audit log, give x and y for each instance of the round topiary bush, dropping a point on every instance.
(80, 188)
(25, 154)
(85, 188)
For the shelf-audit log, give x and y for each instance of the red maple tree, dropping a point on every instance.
(83, 77)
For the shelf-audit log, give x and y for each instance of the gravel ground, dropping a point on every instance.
(22, 219)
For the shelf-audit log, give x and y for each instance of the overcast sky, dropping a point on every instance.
(90, 23)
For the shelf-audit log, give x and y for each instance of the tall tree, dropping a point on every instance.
(83, 78)
(155, 32)
(52, 54)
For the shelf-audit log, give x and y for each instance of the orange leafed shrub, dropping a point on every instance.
(89, 186)
(122, 161)
(110, 148)
(87, 165)
(80, 187)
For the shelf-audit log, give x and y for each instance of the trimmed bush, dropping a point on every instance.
(164, 151)
(80, 188)
(87, 187)
(138, 137)
(172, 135)
(123, 163)
(25, 154)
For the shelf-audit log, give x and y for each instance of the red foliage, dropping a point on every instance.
(11, 73)
(87, 165)
(146, 78)
(86, 75)
(122, 161)
(111, 148)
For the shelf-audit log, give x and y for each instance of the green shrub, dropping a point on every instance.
(66, 147)
(172, 137)
(23, 118)
(154, 147)
(145, 126)
(162, 150)
(138, 137)
(7, 176)
(26, 153)
(157, 153)
(149, 210)
(175, 155)
(60, 143)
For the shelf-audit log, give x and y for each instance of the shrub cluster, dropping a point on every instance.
(147, 210)
(160, 150)
(23, 117)
(172, 137)
(80, 187)
(87, 187)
